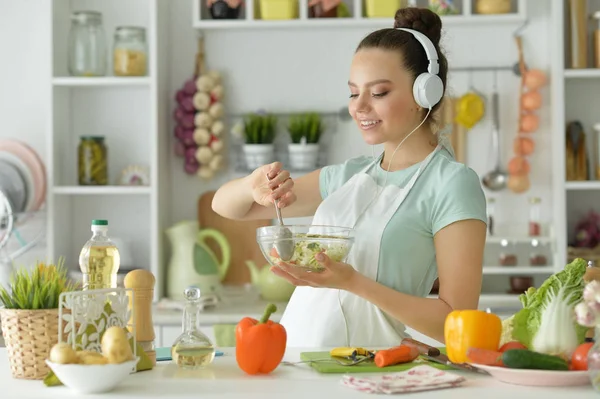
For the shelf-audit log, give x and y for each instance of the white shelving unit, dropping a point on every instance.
(132, 114)
(249, 19)
(574, 93)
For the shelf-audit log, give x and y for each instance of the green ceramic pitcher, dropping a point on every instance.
(205, 261)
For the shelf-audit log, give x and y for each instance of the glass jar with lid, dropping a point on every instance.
(130, 54)
(87, 45)
(535, 208)
(92, 161)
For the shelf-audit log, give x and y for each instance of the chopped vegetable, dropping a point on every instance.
(397, 355)
(487, 357)
(466, 329)
(336, 248)
(546, 323)
(260, 345)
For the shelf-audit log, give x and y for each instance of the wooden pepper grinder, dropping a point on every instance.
(142, 283)
(591, 273)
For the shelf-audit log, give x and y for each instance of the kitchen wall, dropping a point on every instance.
(263, 69)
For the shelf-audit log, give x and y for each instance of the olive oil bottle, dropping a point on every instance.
(99, 259)
(192, 349)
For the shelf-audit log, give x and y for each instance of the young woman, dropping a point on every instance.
(418, 214)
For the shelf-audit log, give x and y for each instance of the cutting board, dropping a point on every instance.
(364, 367)
(241, 236)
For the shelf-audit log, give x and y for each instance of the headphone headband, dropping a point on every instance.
(429, 48)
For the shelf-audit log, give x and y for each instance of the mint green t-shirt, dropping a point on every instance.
(446, 192)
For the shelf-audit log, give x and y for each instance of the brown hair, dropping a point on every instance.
(413, 55)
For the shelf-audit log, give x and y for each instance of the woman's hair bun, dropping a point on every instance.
(422, 20)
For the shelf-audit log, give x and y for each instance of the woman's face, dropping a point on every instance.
(381, 98)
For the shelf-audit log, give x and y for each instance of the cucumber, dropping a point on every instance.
(526, 359)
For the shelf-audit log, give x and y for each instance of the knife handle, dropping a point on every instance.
(349, 352)
(423, 349)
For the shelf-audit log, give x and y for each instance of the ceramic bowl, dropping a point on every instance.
(92, 378)
(309, 240)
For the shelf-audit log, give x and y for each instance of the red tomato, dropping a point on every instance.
(512, 345)
(579, 358)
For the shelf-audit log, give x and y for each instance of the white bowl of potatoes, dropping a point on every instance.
(88, 372)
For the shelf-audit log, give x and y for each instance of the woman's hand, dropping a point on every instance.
(278, 185)
(336, 274)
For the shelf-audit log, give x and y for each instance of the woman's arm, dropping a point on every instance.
(237, 199)
(459, 253)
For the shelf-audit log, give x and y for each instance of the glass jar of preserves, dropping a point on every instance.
(536, 255)
(130, 51)
(535, 226)
(508, 256)
(87, 45)
(92, 161)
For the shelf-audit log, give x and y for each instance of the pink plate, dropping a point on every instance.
(537, 377)
(35, 165)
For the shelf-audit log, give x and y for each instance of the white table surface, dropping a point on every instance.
(224, 380)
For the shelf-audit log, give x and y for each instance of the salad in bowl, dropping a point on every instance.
(308, 240)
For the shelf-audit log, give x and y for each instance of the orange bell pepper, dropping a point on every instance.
(259, 345)
(464, 329)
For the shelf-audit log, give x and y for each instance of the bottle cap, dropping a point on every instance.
(99, 222)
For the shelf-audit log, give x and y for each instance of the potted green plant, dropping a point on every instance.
(29, 317)
(305, 132)
(259, 134)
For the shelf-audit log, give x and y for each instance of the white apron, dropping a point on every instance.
(324, 317)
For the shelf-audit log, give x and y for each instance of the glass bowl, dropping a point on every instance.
(309, 240)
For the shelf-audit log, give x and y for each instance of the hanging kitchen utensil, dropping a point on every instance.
(496, 179)
(470, 108)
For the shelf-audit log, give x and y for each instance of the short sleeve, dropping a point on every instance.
(326, 177)
(461, 198)
(333, 177)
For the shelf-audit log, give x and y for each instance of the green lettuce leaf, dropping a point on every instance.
(524, 324)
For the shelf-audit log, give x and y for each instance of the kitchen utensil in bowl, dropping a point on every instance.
(308, 240)
(284, 244)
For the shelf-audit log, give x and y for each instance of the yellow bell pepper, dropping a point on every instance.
(464, 329)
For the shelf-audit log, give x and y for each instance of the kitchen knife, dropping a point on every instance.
(434, 354)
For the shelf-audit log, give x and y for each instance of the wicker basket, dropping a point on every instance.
(29, 335)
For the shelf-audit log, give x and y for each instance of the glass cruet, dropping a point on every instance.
(192, 349)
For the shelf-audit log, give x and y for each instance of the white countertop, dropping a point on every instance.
(224, 380)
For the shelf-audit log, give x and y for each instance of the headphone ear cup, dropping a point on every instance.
(428, 90)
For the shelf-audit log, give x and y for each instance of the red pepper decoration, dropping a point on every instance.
(260, 345)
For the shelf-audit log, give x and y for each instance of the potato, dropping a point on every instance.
(115, 345)
(91, 357)
(62, 353)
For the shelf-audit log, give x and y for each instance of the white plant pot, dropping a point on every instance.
(303, 156)
(258, 154)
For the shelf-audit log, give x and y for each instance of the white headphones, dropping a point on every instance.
(428, 88)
